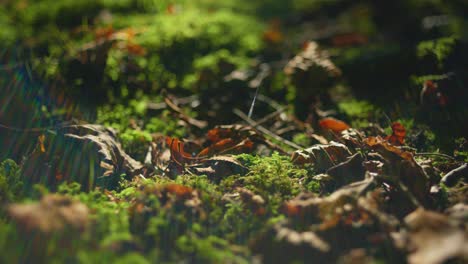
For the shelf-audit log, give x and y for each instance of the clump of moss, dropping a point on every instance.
(211, 249)
(11, 184)
(275, 178)
(200, 41)
(359, 112)
(135, 127)
(439, 48)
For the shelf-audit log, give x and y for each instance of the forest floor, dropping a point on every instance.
(141, 131)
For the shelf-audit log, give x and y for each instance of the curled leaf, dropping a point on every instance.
(435, 238)
(322, 156)
(333, 124)
(53, 214)
(398, 134)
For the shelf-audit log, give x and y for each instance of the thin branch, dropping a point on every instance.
(264, 130)
(284, 130)
(269, 101)
(192, 121)
(435, 154)
(269, 116)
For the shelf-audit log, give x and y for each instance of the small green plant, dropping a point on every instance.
(440, 48)
(10, 182)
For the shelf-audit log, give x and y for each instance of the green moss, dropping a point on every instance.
(8, 32)
(302, 140)
(274, 178)
(125, 118)
(439, 48)
(356, 108)
(11, 184)
(211, 249)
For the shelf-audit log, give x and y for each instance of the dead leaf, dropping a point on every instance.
(219, 167)
(312, 56)
(53, 214)
(254, 201)
(299, 245)
(397, 137)
(454, 176)
(333, 124)
(322, 157)
(349, 39)
(347, 171)
(81, 153)
(387, 150)
(401, 167)
(273, 33)
(178, 154)
(435, 238)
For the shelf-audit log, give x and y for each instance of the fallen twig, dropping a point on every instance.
(435, 154)
(264, 130)
(269, 116)
(192, 121)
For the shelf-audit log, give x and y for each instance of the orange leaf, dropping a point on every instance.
(333, 124)
(41, 140)
(177, 151)
(273, 33)
(180, 191)
(104, 33)
(291, 210)
(398, 134)
(218, 146)
(135, 49)
(349, 39)
(380, 143)
(213, 135)
(58, 176)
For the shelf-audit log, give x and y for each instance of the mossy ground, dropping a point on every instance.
(53, 58)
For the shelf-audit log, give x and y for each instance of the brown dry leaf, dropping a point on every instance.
(81, 153)
(352, 138)
(435, 238)
(312, 56)
(178, 154)
(347, 171)
(53, 214)
(254, 201)
(349, 39)
(397, 137)
(322, 157)
(273, 34)
(401, 166)
(347, 219)
(307, 206)
(282, 244)
(233, 139)
(218, 167)
(387, 149)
